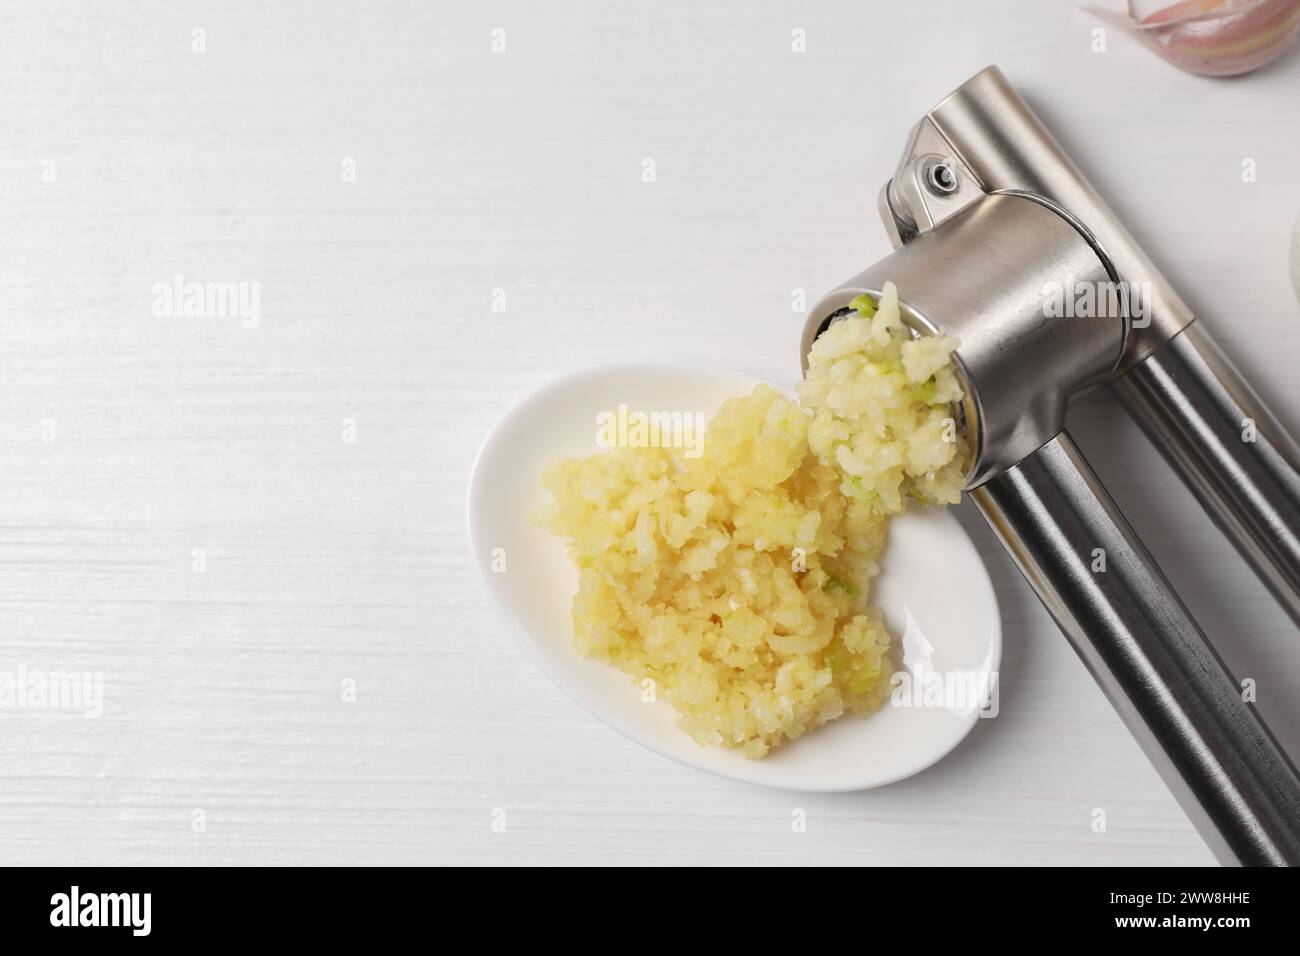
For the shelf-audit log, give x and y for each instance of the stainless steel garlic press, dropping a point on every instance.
(989, 219)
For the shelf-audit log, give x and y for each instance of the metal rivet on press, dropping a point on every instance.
(941, 178)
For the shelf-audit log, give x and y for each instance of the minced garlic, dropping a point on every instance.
(737, 580)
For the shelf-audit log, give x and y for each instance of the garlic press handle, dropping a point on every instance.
(1228, 448)
(1132, 631)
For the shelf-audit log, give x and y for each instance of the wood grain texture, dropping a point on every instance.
(329, 560)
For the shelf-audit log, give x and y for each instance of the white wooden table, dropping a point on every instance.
(237, 525)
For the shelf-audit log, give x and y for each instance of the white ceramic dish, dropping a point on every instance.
(934, 591)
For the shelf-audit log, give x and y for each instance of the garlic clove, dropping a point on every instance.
(1215, 37)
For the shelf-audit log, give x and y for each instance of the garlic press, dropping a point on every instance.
(1001, 242)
